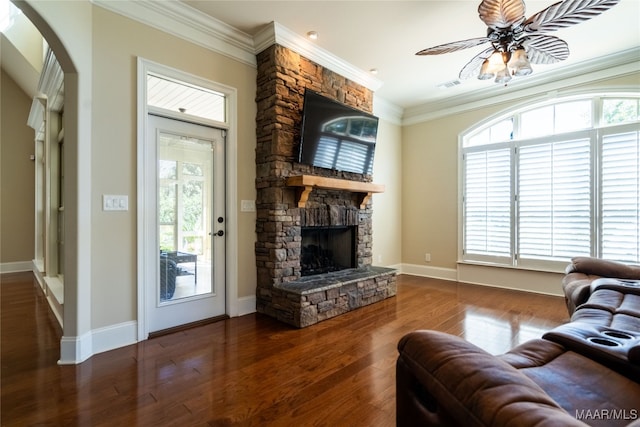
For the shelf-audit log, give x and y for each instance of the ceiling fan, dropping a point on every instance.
(517, 42)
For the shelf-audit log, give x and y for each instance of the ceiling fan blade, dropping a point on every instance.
(566, 13)
(453, 46)
(501, 14)
(473, 67)
(544, 49)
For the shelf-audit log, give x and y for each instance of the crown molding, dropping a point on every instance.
(387, 110)
(183, 21)
(617, 65)
(275, 33)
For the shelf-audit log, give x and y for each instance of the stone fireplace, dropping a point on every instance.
(314, 231)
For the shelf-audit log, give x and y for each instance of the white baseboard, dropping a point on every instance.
(426, 271)
(16, 267)
(115, 336)
(246, 305)
(518, 279)
(74, 350)
(539, 282)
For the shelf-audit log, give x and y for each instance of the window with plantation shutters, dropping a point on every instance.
(553, 181)
(620, 206)
(554, 200)
(488, 203)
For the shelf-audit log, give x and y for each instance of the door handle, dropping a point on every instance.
(220, 233)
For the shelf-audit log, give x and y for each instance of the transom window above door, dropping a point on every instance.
(169, 94)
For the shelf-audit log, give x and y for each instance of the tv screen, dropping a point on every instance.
(336, 136)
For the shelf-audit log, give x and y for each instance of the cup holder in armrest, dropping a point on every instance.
(618, 335)
(617, 349)
(621, 285)
(627, 282)
(603, 341)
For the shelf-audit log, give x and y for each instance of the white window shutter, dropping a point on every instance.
(554, 200)
(620, 181)
(488, 203)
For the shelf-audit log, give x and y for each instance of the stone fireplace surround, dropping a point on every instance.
(281, 292)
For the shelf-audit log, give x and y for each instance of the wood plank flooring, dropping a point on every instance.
(250, 370)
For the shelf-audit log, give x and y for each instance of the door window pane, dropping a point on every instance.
(167, 169)
(185, 194)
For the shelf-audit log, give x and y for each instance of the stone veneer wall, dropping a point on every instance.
(283, 76)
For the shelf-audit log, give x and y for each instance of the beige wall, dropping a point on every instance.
(17, 175)
(387, 218)
(114, 139)
(430, 179)
(417, 163)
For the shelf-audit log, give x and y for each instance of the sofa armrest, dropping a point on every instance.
(603, 268)
(444, 380)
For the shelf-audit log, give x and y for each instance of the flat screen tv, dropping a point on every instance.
(337, 136)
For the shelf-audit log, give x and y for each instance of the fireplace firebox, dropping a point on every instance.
(327, 249)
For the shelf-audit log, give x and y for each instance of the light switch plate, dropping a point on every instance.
(247, 205)
(111, 202)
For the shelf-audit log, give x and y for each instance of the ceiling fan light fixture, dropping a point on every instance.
(503, 76)
(485, 74)
(491, 66)
(508, 29)
(519, 63)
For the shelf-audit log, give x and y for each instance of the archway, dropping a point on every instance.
(66, 26)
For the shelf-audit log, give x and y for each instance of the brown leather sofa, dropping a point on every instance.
(586, 372)
(583, 270)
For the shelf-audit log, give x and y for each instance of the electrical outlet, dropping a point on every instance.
(427, 257)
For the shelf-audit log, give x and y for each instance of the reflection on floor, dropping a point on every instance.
(498, 335)
(250, 370)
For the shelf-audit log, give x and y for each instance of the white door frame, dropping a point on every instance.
(231, 166)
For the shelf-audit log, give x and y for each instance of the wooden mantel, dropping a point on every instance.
(308, 182)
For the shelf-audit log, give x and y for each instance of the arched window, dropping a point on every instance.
(553, 181)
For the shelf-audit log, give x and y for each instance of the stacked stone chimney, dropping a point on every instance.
(283, 76)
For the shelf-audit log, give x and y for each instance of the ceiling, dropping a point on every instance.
(386, 34)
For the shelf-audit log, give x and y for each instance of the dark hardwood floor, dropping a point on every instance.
(250, 370)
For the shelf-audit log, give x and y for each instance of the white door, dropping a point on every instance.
(185, 251)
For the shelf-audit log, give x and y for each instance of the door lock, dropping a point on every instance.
(220, 233)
